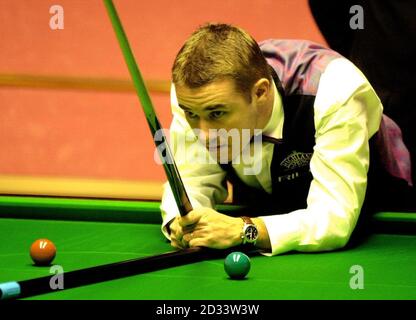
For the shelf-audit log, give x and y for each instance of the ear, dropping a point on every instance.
(261, 90)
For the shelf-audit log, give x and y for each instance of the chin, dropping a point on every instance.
(223, 155)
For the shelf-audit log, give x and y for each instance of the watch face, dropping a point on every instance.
(251, 233)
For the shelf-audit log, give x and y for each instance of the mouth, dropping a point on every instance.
(215, 147)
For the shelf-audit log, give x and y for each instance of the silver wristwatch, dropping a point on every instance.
(250, 232)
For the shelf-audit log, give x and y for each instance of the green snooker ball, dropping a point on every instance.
(237, 265)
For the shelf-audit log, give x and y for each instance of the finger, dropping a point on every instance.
(199, 238)
(174, 225)
(188, 229)
(187, 237)
(176, 244)
(197, 242)
(195, 239)
(176, 236)
(176, 229)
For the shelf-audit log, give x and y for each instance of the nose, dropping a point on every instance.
(205, 132)
(204, 126)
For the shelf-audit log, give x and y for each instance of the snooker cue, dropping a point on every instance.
(77, 278)
(172, 173)
(112, 271)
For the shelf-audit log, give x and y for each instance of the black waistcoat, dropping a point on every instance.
(290, 167)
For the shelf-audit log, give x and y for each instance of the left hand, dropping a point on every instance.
(205, 227)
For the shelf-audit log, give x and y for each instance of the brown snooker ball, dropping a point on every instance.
(42, 252)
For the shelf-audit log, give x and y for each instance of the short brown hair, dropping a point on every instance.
(217, 51)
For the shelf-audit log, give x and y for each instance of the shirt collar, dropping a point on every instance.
(274, 127)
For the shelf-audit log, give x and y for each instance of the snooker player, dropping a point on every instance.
(319, 120)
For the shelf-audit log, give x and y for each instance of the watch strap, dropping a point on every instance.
(247, 220)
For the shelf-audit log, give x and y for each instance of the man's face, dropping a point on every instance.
(215, 106)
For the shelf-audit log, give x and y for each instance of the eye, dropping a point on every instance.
(190, 115)
(216, 114)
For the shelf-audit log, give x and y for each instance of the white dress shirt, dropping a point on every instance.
(347, 112)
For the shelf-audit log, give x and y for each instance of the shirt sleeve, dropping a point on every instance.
(203, 178)
(347, 113)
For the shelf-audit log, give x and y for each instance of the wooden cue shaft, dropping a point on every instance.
(169, 165)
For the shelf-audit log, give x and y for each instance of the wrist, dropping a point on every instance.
(239, 225)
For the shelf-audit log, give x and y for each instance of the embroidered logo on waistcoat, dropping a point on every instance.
(296, 160)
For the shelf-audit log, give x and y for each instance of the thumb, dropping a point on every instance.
(191, 218)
